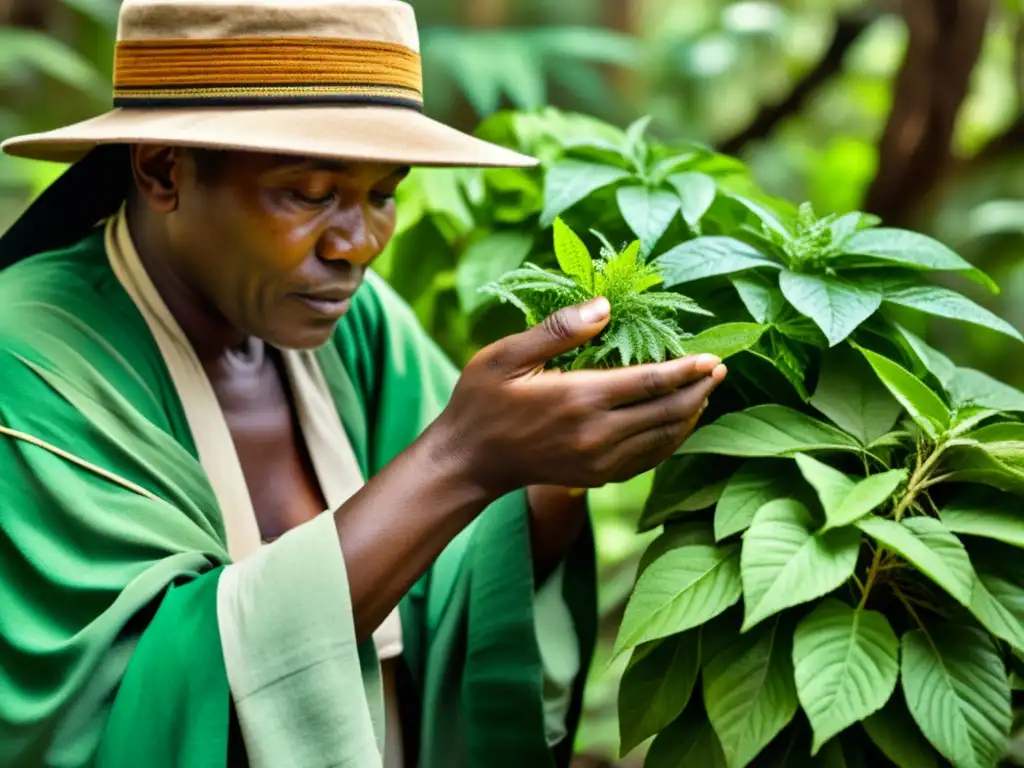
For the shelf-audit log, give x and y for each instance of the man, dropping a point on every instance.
(250, 514)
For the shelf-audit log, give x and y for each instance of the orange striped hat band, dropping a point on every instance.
(265, 70)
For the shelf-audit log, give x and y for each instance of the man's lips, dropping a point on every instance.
(331, 303)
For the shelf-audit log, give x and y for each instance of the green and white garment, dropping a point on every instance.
(143, 622)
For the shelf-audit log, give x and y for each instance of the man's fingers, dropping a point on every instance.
(624, 386)
(560, 332)
(682, 406)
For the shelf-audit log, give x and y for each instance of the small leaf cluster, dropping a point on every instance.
(642, 326)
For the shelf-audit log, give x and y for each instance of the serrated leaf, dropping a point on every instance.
(487, 260)
(724, 340)
(690, 740)
(852, 397)
(958, 693)
(569, 181)
(927, 545)
(784, 563)
(749, 693)
(572, 255)
(846, 664)
(683, 484)
(942, 302)
(835, 305)
(894, 732)
(767, 430)
(656, 687)
(763, 300)
(912, 249)
(696, 192)
(751, 487)
(924, 406)
(680, 590)
(648, 212)
(708, 257)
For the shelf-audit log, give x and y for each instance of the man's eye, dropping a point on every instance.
(308, 200)
(380, 199)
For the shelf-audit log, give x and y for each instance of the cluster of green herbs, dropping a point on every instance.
(838, 569)
(838, 576)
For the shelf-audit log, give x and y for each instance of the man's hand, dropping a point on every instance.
(511, 424)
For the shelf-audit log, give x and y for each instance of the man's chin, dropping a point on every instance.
(305, 337)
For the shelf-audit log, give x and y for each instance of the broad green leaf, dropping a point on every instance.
(683, 484)
(894, 732)
(697, 193)
(943, 302)
(724, 340)
(866, 496)
(23, 48)
(486, 260)
(708, 257)
(924, 406)
(992, 455)
(635, 145)
(648, 212)
(844, 500)
(997, 601)
(835, 305)
(830, 484)
(680, 590)
(763, 300)
(784, 563)
(766, 217)
(749, 693)
(687, 533)
(911, 249)
(752, 486)
(656, 687)
(690, 740)
(846, 663)
(936, 363)
(852, 396)
(958, 693)
(989, 515)
(767, 430)
(569, 181)
(927, 545)
(844, 226)
(573, 257)
(968, 386)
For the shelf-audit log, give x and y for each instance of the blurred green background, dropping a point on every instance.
(912, 110)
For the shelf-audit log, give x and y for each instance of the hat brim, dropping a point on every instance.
(358, 133)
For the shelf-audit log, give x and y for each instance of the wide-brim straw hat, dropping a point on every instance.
(338, 79)
(322, 78)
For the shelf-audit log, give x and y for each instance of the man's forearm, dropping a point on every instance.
(393, 529)
(557, 516)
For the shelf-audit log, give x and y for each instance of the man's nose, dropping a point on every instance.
(349, 237)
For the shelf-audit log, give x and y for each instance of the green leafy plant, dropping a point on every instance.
(834, 574)
(642, 327)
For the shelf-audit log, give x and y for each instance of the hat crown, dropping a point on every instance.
(387, 21)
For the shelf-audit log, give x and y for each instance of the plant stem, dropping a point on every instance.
(906, 604)
(919, 480)
(869, 582)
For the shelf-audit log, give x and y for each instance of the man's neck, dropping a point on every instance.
(213, 338)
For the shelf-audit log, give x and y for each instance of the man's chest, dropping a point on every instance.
(264, 428)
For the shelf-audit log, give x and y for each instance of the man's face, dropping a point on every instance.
(278, 245)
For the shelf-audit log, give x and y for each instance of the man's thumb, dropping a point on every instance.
(558, 333)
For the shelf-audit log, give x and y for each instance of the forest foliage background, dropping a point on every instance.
(910, 110)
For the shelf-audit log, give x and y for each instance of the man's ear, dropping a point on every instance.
(158, 170)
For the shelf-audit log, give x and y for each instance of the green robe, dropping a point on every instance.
(112, 545)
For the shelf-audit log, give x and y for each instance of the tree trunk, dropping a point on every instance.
(622, 16)
(916, 146)
(848, 30)
(26, 13)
